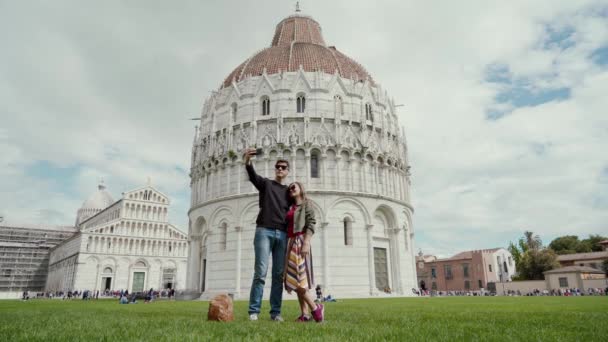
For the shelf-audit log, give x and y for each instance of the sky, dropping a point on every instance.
(504, 104)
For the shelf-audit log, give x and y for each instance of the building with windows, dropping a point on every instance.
(578, 277)
(302, 100)
(126, 244)
(590, 259)
(465, 271)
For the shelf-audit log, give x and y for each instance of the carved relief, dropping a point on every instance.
(321, 136)
(268, 137)
(221, 144)
(348, 138)
(242, 141)
(292, 137)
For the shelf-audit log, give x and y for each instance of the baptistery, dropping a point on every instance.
(309, 103)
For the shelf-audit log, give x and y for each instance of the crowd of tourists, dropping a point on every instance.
(88, 294)
(535, 292)
(562, 292)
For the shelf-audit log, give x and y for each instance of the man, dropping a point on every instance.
(270, 236)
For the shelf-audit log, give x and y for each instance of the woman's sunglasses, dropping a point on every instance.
(292, 188)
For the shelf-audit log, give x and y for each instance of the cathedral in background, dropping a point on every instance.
(126, 244)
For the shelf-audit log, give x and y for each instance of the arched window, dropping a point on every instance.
(265, 105)
(223, 236)
(348, 231)
(233, 110)
(301, 103)
(314, 165)
(369, 114)
(338, 105)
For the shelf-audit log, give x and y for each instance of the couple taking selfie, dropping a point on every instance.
(284, 228)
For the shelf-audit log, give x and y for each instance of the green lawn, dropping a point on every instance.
(397, 319)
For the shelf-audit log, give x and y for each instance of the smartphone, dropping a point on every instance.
(259, 151)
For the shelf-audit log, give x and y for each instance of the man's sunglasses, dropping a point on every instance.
(281, 167)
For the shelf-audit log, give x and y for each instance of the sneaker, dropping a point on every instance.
(303, 318)
(253, 317)
(276, 318)
(318, 313)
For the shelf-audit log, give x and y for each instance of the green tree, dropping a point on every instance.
(535, 262)
(531, 259)
(594, 242)
(515, 252)
(533, 242)
(567, 244)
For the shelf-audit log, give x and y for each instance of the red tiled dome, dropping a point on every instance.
(298, 42)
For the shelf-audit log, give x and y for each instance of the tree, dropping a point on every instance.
(594, 242)
(515, 252)
(532, 241)
(531, 259)
(567, 244)
(535, 262)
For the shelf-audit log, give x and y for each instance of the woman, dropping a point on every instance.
(298, 266)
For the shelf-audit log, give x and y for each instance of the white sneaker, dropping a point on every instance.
(253, 317)
(277, 318)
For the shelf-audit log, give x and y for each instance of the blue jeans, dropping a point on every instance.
(266, 241)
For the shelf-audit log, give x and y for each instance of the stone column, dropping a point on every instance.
(325, 248)
(307, 168)
(324, 169)
(338, 166)
(362, 170)
(97, 279)
(370, 260)
(239, 232)
(396, 262)
(240, 165)
(374, 167)
(351, 176)
(228, 177)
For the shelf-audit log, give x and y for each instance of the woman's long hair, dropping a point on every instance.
(302, 193)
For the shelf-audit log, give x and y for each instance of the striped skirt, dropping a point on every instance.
(298, 270)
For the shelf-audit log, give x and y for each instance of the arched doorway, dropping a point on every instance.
(106, 279)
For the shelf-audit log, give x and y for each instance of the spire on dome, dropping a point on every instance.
(298, 7)
(102, 185)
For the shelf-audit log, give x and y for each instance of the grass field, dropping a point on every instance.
(396, 319)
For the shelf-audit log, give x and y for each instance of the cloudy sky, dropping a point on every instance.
(505, 103)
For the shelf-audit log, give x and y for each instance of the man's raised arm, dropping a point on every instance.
(254, 178)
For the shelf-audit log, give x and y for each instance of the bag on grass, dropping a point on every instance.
(220, 309)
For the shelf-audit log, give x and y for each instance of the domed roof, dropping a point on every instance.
(100, 200)
(298, 42)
